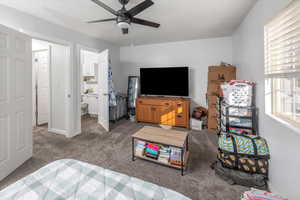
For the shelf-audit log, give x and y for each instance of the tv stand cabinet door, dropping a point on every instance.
(156, 114)
(167, 114)
(144, 113)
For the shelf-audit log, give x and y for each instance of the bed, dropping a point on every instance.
(71, 179)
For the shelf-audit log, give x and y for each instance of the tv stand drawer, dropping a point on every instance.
(154, 102)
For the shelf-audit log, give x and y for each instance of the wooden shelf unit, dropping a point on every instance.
(170, 111)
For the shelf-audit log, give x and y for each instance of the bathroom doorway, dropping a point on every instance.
(94, 91)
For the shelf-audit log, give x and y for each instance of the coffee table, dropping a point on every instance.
(172, 138)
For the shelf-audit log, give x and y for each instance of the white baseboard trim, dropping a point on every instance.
(62, 132)
(74, 134)
(272, 188)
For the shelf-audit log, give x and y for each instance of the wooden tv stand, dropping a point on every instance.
(170, 111)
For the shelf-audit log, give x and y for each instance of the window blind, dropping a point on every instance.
(282, 42)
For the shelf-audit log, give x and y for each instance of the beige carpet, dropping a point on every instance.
(113, 151)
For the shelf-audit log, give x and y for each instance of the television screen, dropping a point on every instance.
(170, 81)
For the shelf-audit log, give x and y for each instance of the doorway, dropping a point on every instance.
(94, 105)
(50, 64)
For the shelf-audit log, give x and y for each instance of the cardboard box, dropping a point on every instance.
(212, 124)
(222, 68)
(213, 89)
(221, 74)
(220, 77)
(213, 112)
(212, 119)
(212, 101)
(216, 76)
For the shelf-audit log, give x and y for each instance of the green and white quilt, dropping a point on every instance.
(75, 180)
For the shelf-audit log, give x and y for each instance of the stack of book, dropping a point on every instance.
(140, 148)
(175, 158)
(152, 151)
(164, 154)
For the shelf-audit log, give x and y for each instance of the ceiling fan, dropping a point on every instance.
(125, 17)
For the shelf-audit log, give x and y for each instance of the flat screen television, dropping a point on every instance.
(169, 81)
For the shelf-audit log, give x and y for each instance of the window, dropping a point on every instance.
(282, 65)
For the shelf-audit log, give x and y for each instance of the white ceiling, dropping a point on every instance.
(179, 19)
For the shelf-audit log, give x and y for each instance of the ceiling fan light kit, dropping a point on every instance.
(122, 25)
(125, 17)
(123, 2)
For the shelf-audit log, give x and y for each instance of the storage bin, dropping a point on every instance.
(196, 124)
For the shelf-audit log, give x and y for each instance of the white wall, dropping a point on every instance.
(248, 48)
(39, 45)
(197, 54)
(45, 30)
(42, 29)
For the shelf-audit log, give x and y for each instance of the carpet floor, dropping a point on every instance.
(113, 151)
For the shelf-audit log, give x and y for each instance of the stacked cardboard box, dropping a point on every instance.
(216, 76)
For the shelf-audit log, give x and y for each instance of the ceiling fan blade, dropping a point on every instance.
(145, 22)
(103, 5)
(102, 20)
(125, 31)
(140, 7)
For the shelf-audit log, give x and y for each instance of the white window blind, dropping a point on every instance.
(282, 42)
(282, 64)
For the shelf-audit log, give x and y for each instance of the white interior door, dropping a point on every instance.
(41, 62)
(15, 100)
(103, 115)
(59, 89)
(33, 92)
